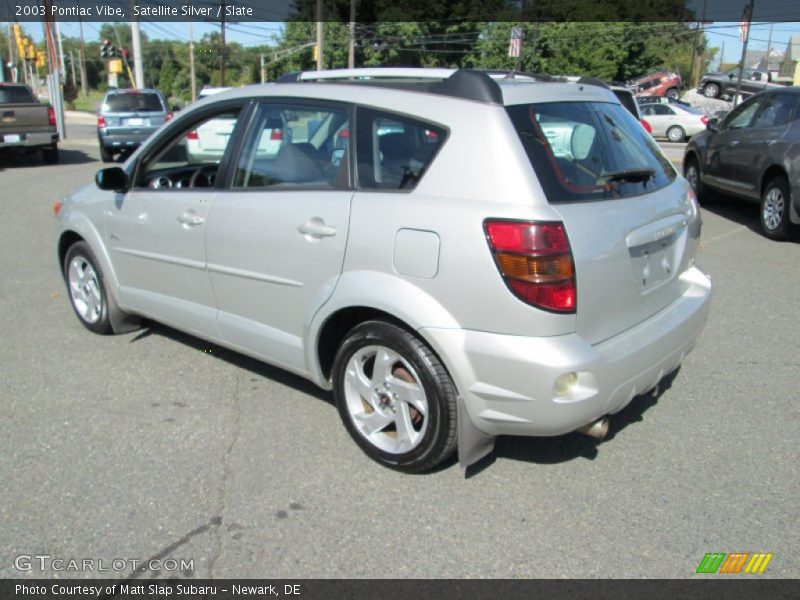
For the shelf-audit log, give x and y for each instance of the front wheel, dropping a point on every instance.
(673, 93)
(395, 397)
(676, 133)
(775, 203)
(711, 90)
(87, 292)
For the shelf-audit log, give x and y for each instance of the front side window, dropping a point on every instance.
(191, 156)
(589, 151)
(295, 146)
(393, 152)
(743, 114)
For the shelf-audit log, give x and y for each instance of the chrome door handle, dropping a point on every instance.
(316, 228)
(190, 219)
(734, 142)
(771, 142)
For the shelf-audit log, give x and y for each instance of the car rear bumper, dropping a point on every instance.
(29, 140)
(124, 140)
(509, 383)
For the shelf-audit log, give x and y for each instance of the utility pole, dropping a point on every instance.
(84, 83)
(12, 62)
(263, 70)
(138, 66)
(697, 56)
(722, 55)
(746, 17)
(61, 64)
(193, 84)
(222, 49)
(320, 40)
(351, 50)
(72, 65)
(769, 46)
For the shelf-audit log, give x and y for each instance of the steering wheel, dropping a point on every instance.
(205, 176)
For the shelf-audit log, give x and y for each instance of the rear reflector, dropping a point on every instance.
(51, 116)
(192, 135)
(535, 260)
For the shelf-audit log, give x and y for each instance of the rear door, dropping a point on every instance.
(276, 235)
(631, 226)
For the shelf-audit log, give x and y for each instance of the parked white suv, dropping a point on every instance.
(457, 255)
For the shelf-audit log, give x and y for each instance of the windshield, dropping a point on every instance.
(133, 102)
(589, 151)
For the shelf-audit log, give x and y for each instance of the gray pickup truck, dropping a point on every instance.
(714, 85)
(26, 125)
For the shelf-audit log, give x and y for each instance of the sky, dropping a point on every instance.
(248, 34)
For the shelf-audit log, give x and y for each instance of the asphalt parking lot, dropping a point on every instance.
(155, 444)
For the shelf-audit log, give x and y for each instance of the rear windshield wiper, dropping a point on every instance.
(631, 175)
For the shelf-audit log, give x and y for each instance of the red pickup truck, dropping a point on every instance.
(26, 125)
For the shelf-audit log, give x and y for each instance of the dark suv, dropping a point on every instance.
(127, 118)
(754, 153)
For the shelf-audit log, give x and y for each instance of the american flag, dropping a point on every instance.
(744, 26)
(515, 45)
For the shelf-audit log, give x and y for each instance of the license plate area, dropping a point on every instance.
(12, 138)
(654, 263)
(136, 122)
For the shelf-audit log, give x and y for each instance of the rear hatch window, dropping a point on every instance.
(133, 102)
(584, 151)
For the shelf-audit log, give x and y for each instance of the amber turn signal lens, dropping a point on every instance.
(537, 269)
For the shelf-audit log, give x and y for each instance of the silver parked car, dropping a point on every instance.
(674, 121)
(488, 256)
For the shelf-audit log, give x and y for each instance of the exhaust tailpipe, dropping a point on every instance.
(597, 429)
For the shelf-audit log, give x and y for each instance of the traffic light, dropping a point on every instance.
(125, 53)
(105, 49)
(30, 51)
(40, 59)
(315, 52)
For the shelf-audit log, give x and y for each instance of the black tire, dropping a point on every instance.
(775, 206)
(82, 259)
(106, 155)
(711, 90)
(436, 430)
(693, 174)
(50, 155)
(676, 134)
(673, 93)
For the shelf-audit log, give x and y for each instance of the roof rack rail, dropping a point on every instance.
(469, 84)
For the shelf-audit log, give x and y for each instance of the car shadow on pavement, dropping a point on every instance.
(239, 360)
(563, 448)
(65, 157)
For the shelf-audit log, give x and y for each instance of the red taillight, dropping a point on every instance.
(431, 135)
(101, 122)
(51, 116)
(704, 120)
(276, 135)
(192, 136)
(647, 127)
(344, 133)
(535, 260)
(167, 117)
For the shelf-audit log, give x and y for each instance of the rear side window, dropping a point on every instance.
(393, 152)
(133, 102)
(15, 95)
(589, 151)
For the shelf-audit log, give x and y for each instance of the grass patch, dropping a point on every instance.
(89, 104)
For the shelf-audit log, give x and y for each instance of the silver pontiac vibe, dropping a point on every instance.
(455, 254)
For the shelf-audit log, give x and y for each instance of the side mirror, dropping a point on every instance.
(112, 179)
(713, 124)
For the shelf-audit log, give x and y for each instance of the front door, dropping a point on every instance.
(156, 232)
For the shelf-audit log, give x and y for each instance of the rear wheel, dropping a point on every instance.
(676, 133)
(775, 203)
(50, 155)
(395, 397)
(106, 155)
(711, 90)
